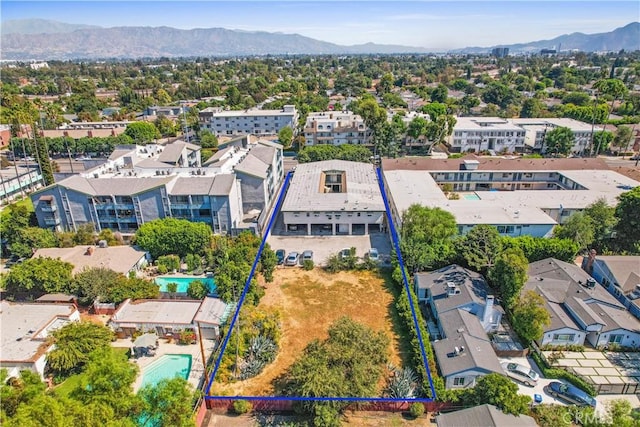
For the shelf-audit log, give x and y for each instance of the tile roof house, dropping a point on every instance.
(464, 311)
(580, 309)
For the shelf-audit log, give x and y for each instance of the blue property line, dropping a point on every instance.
(248, 282)
(396, 244)
(328, 399)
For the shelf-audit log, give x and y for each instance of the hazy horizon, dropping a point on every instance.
(425, 24)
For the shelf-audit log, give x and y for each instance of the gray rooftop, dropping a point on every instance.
(478, 354)
(456, 322)
(570, 302)
(117, 258)
(120, 186)
(252, 165)
(483, 416)
(626, 270)
(472, 286)
(175, 312)
(218, 185)
(21, 326)
(362, 190)
(212, 311)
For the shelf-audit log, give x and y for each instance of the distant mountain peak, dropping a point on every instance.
(40, 26)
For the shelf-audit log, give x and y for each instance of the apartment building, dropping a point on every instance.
(135, 186)
(335, 128)
(519, 196)
(253, 121)
(477, 134)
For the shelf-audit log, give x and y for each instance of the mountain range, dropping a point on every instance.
(48, 40)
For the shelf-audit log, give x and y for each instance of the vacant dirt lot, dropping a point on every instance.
(309, 302)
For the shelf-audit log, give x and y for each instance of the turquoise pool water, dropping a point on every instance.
(183, 282)
(166, 367)
(471, 197)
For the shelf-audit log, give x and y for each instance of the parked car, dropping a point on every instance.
(280, 254)
(571, 394)
(292, 259)
(635, 157)
(344, 253)
(522, 373)
(307, 255)
(373, 255)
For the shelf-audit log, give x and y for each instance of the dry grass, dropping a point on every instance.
(310, 301)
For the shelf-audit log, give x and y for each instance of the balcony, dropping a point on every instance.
(52, 221)
(48, 208)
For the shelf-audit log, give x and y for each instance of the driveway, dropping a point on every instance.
(540, 388)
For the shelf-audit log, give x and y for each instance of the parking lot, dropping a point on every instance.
(325, 246)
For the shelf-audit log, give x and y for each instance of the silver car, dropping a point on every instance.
(292, 259)
(522, 373)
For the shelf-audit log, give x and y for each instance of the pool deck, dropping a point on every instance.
(197, 367)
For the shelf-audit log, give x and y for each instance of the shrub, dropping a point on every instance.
(187, 336)
(241, 406)
(162, 269)
(197, 289)
(307, 264)
(416, 410)
(171, 262)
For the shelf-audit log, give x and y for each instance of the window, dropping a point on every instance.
(458, 381)
(564, 337)
(615, 338)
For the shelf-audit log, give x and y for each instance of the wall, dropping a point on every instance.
(151, 205)
(630, 339)
(470, 378)
(253, 192)
(579, 337)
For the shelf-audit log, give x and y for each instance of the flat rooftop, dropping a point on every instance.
(362, 189)
(22, 338)
(177, 312)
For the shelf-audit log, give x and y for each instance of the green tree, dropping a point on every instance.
(601, 140)
(208, 139)
(498, 93)
(628, 226)
(74, 344)
(530, 317)
(39, 275)
(579, 228)
(173, 236)
(94, 282)
(439, 94)
(142, 132)
(27, 239)
(165, 126)
(622, 139)
(285, 137)
(168, 403)
(417, 127)
(170, 262)
(426, 237)
(613, 88)
(559, 141)
(480, 247)
(193, 261)
(197, 289)
(509, 275)
(18, 391)
(385, 85)
(498, 390)
(537, 248)
(349, 363)
(85, 234)
(531, 108)
(268, 263)
(435, 110)
(603, 219)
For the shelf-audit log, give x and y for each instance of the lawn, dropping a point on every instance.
(310, 301)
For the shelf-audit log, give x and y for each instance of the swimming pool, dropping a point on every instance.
(183, 282)
(471, 197)
(168, 366)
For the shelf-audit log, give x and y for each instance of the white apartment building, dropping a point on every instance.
(475, 134)
(253, 121)
(335, 128)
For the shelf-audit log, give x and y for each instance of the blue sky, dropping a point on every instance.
(429, 24)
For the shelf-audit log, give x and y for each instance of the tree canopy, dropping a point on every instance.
(498, 390)
(39, 275)
(316, 153)
(628, 226)
(426, 237)
(142, 132)
(578, 227)
(509, 275)
(173, 236)
(285, 137)
(530, 317)
(480, 247)
(559, 140)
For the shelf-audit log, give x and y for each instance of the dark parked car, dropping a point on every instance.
(571, 394)
(280, 254)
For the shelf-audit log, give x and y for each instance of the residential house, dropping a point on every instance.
(620, 275)
(483, 416)
(167, 317)
(581, 311)
(464, 311)
(25, 328)
(121, 259)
